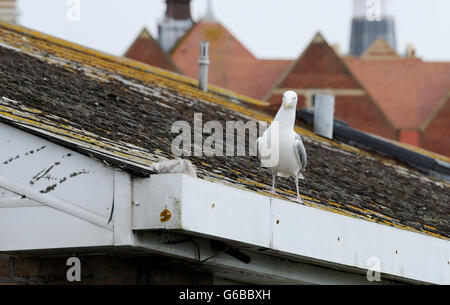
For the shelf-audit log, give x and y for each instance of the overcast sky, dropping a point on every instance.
(268, 28)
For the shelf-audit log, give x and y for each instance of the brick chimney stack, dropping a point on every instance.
(178, 9)
(176, 22)
(8, 11)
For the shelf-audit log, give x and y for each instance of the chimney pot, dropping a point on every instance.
(203, 66)
(410, 51)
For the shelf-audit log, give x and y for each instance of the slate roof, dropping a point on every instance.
(121, 111)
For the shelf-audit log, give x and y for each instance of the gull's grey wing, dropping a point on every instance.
(300, 151)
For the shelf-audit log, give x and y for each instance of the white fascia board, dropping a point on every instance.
(220, 211)
(203, 207)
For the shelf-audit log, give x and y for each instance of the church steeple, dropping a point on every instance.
(8, 11)
(372, 19)
(176, 22)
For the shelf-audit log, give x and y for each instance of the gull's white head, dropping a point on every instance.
(289, 100)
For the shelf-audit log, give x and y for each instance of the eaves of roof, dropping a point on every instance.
(138, 161)
(101, 68)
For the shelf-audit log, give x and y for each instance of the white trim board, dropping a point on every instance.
(78, 214)
(219, 211)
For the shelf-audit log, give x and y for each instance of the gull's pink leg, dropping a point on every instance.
(299, 199)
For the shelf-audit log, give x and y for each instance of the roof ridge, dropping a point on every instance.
(145, 34)
(380, 42)
(436, 111)
(319, 38)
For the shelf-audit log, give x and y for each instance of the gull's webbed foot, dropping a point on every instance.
(299, 199)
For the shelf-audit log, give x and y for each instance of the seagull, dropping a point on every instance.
(288, 158)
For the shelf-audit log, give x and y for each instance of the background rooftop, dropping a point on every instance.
(278, 29)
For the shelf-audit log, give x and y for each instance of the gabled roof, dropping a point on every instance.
(445, 101)
(407, 90)
(122, 111)
(232, 66)
(147, 50)
(319, 67)
(309, 72)
(380, 49)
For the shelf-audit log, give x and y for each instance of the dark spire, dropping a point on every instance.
(372, 19)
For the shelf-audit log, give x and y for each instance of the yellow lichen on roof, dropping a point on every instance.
(127, 152)
(33, 42)
(26, 116)
(14, 36)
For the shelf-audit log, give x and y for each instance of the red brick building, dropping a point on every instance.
(232, 65)
(380, 92)
(320, 70)
(412, 94)
(435, 130)
(147, 50)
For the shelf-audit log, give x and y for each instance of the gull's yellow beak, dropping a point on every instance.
(288, 104)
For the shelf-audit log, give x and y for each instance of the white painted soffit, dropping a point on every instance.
(179, 202)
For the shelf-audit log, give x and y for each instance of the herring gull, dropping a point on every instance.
(280, 148)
